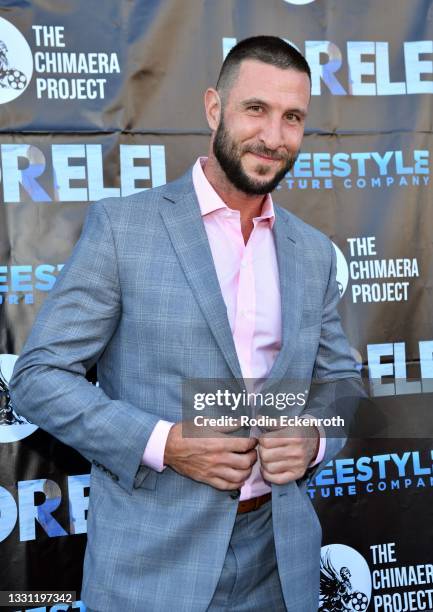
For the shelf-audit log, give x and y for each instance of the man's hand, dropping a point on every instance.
(286, 453)
(222, 461)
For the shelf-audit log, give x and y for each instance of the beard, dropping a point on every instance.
(229, 153)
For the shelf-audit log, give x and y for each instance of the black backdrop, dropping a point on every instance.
(103, 102)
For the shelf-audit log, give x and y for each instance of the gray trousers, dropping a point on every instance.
(249, 580)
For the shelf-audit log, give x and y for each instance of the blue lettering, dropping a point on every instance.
(42, 513)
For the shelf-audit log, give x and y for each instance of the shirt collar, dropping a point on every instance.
(210, 201)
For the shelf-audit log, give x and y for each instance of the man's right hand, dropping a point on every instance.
(222, 461)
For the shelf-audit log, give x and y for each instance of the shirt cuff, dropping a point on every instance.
(153, 455)
(322, 445)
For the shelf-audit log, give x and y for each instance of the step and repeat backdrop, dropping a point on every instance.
(106, 100)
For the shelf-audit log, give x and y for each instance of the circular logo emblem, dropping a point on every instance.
(13, 426)
(16, 62)
(345, 579)
(342, 270)
(299, 1)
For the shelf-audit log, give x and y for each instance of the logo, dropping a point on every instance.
(43, 174)
(299, 1)
(58, 64)
(19, 283)
(374, 278)
(374, 474)
(16, 62)
(13, 427)
(345, 580)
(360, 170)
(378, 279)
(35, 501)
(342, 70)
(342, 270)
(389, 369)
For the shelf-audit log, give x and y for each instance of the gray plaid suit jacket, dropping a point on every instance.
(140, 297)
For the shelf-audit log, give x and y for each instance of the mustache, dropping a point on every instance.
(262, 150)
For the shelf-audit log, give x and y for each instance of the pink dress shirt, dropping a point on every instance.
(249, 281)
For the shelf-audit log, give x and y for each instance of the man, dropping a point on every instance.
(200, 279)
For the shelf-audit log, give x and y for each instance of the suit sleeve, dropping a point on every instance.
(336, 382)
(71, 331)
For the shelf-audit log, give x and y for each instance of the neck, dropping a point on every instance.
(249, 206)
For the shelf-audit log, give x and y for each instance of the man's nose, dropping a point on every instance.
(272, 134)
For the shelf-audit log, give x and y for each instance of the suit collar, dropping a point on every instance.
(210, 200)
(180, 188)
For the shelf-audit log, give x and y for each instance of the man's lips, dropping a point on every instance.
(265, 157)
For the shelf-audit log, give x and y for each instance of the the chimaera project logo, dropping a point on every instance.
(13, 427)
(16, 62)
(345, 579)
(342, 271)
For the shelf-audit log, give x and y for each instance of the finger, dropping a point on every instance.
(236, 461)
(277, 467)
(242, 461)
(238, 477)
(239, 445)
(279, 478)
(275, 441)
(295, 431)
(224, 485)
(279, 453)
(272, 442)
(222, 442)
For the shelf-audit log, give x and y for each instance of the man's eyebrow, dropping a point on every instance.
(252, 101)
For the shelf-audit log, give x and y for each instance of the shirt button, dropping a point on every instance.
(244, 264)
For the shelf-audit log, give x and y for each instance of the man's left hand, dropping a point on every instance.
(286, 453)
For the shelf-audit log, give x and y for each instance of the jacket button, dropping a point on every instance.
(235, 494)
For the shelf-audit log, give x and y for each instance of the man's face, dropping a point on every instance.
(261, 126)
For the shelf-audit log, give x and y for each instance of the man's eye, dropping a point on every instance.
(255, 108)
(292, 117)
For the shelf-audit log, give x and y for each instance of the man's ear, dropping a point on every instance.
(212, 104)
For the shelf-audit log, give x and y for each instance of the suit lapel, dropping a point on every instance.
(185, 227)
(291, 288)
